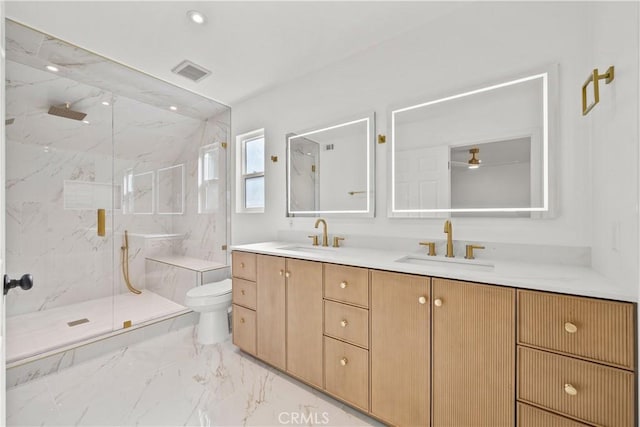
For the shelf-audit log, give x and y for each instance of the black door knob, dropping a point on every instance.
(25, 282)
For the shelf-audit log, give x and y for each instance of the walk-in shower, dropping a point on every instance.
(96, 205)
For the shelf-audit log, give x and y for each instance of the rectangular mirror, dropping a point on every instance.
(171, 190)
(330, 169)
(478, 153)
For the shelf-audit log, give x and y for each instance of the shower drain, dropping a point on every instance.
(78, 322)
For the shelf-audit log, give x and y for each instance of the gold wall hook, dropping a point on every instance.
(274, 159)
(382, 139)
(595, 77)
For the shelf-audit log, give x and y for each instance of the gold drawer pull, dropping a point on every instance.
(242, 265)
(344, 323)
(344, 361)
(570, 390)
(570, 327)
(437, 302)
(422, 300)
(242, 320)
(343, 285)
(242, 292)
(287, 274)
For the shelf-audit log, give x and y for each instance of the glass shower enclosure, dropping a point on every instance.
(115, 181)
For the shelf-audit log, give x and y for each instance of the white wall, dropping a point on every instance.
(613, 125)
(481, 43)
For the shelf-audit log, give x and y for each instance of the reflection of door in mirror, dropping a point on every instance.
(305, 158)
(422, 180)
(503, 176)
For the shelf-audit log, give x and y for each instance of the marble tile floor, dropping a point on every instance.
(172, 381)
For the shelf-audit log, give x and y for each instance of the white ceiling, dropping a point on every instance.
(250, 46)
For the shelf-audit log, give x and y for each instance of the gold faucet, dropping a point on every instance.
(325, 236)
(448, 228)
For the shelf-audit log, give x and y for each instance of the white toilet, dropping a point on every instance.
(212, 301)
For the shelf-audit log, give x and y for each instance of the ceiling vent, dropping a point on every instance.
(191, 71)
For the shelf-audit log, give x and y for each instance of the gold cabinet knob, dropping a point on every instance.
(437, 302)
(570, 328)
(422, 300)
(242, 320)
(343, 285)
(287, 274)
(242, 292)
(570, 390)
(344, 323)
(281, 272)
(344, 361)
(242, 265)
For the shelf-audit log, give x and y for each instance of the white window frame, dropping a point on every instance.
(242, 176)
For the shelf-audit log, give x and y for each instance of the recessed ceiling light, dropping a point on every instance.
(173, 108)
(105, 103)
(52, 68)
(86, 121)
(196, 17)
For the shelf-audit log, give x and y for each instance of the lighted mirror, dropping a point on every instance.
(483, 152)
(330, 169)
(142, 193)
(171, 190)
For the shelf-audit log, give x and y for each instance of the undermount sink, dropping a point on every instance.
(453, 263)
(310, 249)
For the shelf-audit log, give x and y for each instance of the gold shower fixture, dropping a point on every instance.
(124, 250)
(474, 163)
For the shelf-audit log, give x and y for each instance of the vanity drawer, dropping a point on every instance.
(347, 323)
(595, 329)
(600, 394)
(346, 284)
(244, 328)
(529, 416)
(346, 370)
(244, 293)
(243, 265)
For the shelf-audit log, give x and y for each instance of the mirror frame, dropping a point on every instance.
(369, 119)
(549, 76)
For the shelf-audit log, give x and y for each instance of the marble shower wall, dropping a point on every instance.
(51, 228)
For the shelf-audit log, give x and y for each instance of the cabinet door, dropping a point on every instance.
(304, 320)
(400, 348)
(473, 358)
(271, 311)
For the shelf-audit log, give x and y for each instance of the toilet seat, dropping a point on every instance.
(208, 294)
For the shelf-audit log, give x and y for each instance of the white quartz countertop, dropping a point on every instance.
(195, 264)
(567, 279)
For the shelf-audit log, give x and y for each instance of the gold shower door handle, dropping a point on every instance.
(102, 222)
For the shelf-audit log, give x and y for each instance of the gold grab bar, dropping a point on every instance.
(101, 222)
(124, 250)
(595, 77)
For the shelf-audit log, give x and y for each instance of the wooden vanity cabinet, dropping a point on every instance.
(271, 310)
(400, 348)
(244, 301)
(473, 354)
(304, 320)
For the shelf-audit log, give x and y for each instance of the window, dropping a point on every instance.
(250, 172)
(208, 183)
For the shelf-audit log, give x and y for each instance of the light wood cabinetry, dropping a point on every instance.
(473, 354)
(576, 357)
(400, 348)
(413, 350)
(529, 416)
(271, 310)
(347, 372)
(304, 320)
(244, 328)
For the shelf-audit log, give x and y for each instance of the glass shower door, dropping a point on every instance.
(60, 198)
